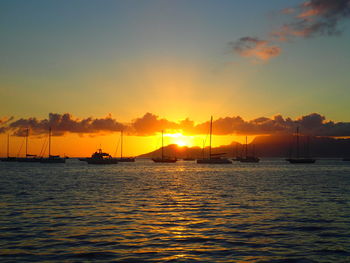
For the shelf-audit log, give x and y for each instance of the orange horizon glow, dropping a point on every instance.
(74, 145)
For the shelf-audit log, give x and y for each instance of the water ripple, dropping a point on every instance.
(145, 212)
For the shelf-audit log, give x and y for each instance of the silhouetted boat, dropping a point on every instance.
(189, 159)
(100, 157)
(249, 158)
(164, 159)
(213, 158)
(237, 158)
(124, 159)
(8, 158)
(52, 158)
(29, 158)
(299, 159)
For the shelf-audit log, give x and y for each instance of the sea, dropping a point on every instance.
(270, 211)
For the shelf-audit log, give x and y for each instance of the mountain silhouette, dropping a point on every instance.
(266, 146)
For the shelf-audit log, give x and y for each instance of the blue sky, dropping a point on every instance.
(171, 58)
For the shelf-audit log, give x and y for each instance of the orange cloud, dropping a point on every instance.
(316, 17)
(255, 48)
(150, 124)
(309, 19)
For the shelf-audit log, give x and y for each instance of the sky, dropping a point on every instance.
(173, 59)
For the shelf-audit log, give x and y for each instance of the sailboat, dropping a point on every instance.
(8, 158)
(29, 158)
(123, 159)
(164, 159)
(249, 158)
(298, 159)
(213, 158)
(236, 158)
(52, 158)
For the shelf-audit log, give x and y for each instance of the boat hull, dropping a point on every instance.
(28, 160)
(301, 160)
(250, 160)
(53, 160)
(9, 159)
(126, 160)
(214, 161)
(101, 161)
(164, 160)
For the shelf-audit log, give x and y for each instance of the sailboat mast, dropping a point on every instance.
(121, 144)
(203, 149)
(246, 146)
(27, 142)
(8, 145)
(162, 145)
(297, 142)
(211, 130)
(49, 141)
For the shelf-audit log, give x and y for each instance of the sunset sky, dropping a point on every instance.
(119, 60)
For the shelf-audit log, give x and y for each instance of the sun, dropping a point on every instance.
(181, 143)
(180, 140)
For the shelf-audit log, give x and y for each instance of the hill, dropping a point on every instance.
(266, 146)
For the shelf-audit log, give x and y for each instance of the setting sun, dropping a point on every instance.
(180, 139)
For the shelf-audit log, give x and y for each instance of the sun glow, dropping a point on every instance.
(180, 139)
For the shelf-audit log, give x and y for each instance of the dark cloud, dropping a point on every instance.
(3, 123)
(64, 123)
(309, 19)
(255, 48)
(150, 124)
(312, 124)
(315, 17)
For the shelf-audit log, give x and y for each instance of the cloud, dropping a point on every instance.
(151, 124)
(309, 19)
(314, 18)
(3, 122)
(65, 123)
(255, 48)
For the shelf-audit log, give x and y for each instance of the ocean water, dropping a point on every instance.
(272, 211)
